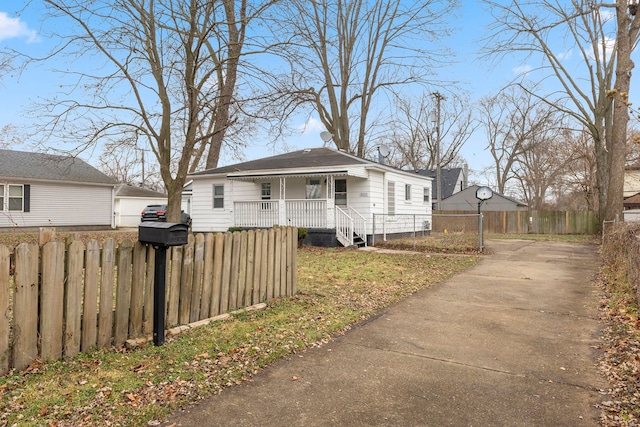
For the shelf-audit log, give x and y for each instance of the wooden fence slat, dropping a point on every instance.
(216, 289)
(123, 293)
(257, 265)
(264, 258)
(25, 294)
(207, 276)
(147, 312)
(5, 316)
(226, 273)
(283, 262)
(292, 248)
(90, 296)
(242, 270)
(196, 286)
(173, 288)
(235, 271)
(186, 283)
(137, 290)
(105, 315)
(52, 310)
(271, 263)
(277, 276)
(73, 300)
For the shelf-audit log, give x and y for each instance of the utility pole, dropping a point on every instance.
(438, 96)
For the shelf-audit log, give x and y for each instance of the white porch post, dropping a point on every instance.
(331, 203)
(282, 205)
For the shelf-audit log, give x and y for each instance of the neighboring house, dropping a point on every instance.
(130, 201)
(333, 194)
(466, 200)
(187, 191)
(452, 180)
(631, 180)
(39, 190)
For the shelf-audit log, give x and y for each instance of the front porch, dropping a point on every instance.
(350, 226)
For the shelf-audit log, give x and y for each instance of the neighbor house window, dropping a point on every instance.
(391, 198)
(266, 191)
(426, 196)
(14, 197)
(407, 192)
(313, 188)
(341, 192)
(218, 196)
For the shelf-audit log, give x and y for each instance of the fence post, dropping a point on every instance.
(480, 233)
(373, 236)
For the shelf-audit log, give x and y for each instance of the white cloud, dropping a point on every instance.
(565, 55)
(14, 27)
(522, 69)
(311, 126)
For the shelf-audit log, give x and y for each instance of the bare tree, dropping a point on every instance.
(166, 74)
(586, 27)
(575, 188)
(413, 131)
(513, 121)
(344, 55)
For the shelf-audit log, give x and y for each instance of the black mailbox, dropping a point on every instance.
(163, 233)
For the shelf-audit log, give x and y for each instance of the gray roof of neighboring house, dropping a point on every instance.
(49, 167)
(448, 179)
(126, 190)
(307, 158)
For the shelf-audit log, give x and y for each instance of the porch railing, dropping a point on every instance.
(266, 213)
(349, 224)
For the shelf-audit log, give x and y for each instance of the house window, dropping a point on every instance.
(15, 197)
(407, 192)
(425, 195)
(391, 198)
(341, 192)
(266, 191)
(218, 196)
(313, 189)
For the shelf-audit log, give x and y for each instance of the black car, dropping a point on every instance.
(159, 213)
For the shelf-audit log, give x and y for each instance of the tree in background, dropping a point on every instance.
(514, 122)
(412, 137)
(604, 45)
(344, 56)
(165, 76)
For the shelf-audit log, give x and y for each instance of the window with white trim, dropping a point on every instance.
(314, 187)
(426, 195)
(14, 197)
(407, 192)
(266, 191)
(218, 197)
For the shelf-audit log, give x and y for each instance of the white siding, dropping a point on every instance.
(60, 204)
(128, 209)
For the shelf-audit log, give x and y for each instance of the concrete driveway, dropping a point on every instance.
(505, 343)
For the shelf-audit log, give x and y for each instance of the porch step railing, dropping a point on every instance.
(351, 227)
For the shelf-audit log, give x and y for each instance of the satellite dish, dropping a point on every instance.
(326, 136)
(383, 150)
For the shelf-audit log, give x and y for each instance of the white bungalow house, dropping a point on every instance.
(331, 193)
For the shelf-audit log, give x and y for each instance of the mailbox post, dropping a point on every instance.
(161, 235)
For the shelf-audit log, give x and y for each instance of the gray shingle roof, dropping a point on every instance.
(448, 179)
(126, 190)
(308, 158)
(40, 166)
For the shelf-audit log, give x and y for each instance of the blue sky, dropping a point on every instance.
(21, 32)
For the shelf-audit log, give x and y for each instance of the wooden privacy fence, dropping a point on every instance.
(536, 222)
(58, 300)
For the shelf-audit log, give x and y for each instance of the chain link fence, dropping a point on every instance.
(441, 230)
